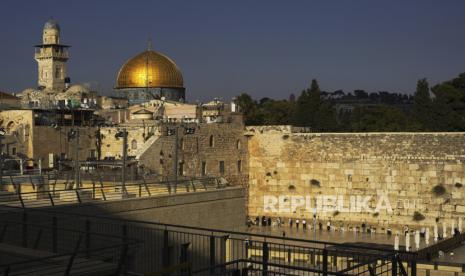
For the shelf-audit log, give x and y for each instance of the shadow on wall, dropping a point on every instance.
(152, 245)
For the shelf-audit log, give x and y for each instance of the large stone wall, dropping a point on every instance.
(216, 209)
(405, 167)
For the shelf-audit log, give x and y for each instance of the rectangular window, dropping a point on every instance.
(57, 72)
(181, 168)
(239, 166)
(13, 151)
(221, 167)
(204, 168)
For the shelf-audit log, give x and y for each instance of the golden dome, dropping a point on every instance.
(149, 69)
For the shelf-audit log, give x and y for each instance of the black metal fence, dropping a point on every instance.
(179, 250)
(44, 244)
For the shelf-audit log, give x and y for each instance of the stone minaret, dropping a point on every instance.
(51, 57)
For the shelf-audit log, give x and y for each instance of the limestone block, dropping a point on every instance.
(460, 208)
(450, 167)
(348, 171)
(456, 195)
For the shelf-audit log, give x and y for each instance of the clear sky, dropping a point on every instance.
(265, 48)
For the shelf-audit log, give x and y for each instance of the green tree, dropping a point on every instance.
(249, 109)
(449, 105)
(422, 105)
(277, 112)
(313, 111)
(379, 119)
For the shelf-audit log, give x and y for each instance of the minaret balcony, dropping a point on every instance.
(58, 55)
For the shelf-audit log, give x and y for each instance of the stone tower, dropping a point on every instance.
(51, 57)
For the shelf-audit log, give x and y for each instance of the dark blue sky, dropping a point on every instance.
(265, 48)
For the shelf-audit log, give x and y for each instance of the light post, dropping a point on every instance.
(123, 134)
(74, 134)
(175, 131)
(2, 135)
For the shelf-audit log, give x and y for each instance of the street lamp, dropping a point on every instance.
(74, 134)
(123, 134)
(2, 135)
(175, 131)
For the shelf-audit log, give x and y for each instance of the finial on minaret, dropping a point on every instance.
(149, 44)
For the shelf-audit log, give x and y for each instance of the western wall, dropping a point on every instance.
(421, 174)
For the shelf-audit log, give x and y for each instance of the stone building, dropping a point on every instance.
(43, 134)
(199, 150)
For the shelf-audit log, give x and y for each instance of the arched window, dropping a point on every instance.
(238, 144)
(134, 144)
(10, 126)
(212, 141)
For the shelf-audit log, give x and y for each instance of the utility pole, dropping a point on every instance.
(74, 134)
(77, 169)
(176, 159)
(175, 131)
(125, 153)
(123, 134)
(2, 135)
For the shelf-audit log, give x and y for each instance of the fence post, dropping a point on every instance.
(212, 254)
(325, 262)
(32, 182)
(265, 258)
(166, 250)
(3, 233)
(54, 234)
(24, 230)
(394, 265)
(51, 199)
(183, 259)
(71, 258)
(87, 238)
(413, 265)
(37, 241)
(124, 232)
(146, 187)
(121, 262)
(192, 183)
(77, 195)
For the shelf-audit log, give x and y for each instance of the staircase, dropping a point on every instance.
(146, 146)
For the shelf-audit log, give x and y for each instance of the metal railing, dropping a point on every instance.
(44, 244)
(195, 250)
(43, 191)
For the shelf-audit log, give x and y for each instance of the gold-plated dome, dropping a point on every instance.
(149, 69)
